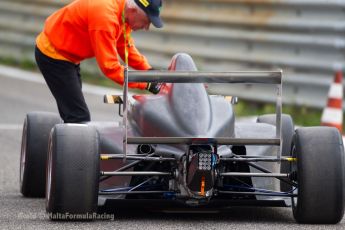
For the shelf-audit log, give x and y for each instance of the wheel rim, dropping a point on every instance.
(49, 171)
(23, 154)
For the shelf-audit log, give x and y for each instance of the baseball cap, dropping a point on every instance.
(152, 9)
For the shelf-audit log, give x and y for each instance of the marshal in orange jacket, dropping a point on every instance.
(92, 28)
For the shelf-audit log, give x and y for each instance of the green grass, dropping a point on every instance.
(87, 77)
(303, 116)
(97, 79)
(27, 64)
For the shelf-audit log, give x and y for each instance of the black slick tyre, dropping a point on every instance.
(320, 175)
(73, 172)
(34, 148)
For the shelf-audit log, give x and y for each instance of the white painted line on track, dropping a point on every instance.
(11, 126)
(11, 72)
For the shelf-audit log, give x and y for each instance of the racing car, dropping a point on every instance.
(184, 146)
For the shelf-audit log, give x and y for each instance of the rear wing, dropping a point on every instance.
(236, 77)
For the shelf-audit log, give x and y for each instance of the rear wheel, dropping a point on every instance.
(33, 157)
(73, 172)
(320, 175)
(288, 130)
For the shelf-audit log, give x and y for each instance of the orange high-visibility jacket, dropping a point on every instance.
(94, 28)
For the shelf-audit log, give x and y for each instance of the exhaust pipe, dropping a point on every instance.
(145, 149)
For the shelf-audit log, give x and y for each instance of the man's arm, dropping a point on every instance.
(105, 48)
(135, 59)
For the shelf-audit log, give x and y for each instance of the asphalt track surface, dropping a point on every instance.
(19, 96)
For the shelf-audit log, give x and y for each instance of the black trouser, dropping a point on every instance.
(63, 80)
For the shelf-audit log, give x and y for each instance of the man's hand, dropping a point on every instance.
(154, 87)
